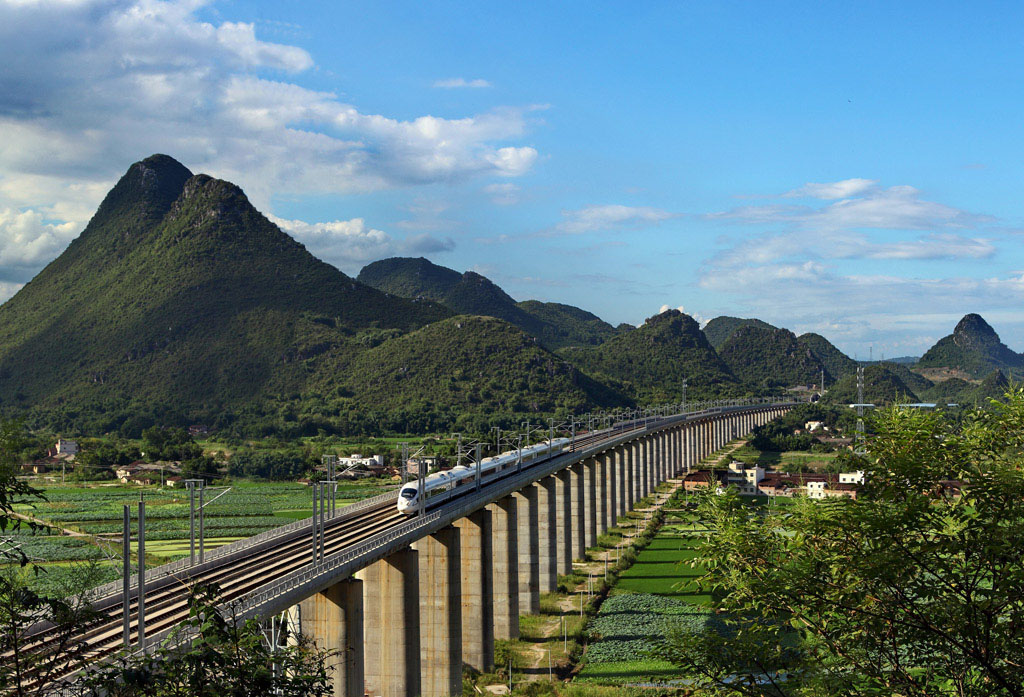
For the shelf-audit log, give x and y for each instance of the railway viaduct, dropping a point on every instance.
(406, 601)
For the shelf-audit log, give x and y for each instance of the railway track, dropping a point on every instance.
(237, 574)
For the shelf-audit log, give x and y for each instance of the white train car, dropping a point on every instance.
(439, 486)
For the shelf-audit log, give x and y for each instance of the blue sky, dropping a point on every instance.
(847, 169)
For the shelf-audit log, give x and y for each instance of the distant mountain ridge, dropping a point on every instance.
(973, 347)
(554, 324)
(650, 362)
(181, 303)
(765, 356)
(719, 329)
(836, 363)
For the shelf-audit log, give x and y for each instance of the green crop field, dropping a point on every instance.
(656, 593)
(249, 508)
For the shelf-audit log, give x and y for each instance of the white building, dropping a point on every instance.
(851, 477)
(356, 459)
(66, 447)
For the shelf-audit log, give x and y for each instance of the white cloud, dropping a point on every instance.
(606, 217)
(503, 194)
(90, 86)
(461, 82)
(28, 241)
(833, 190)
(893, 208)
(350, 244)
(854, 309)
(8, 289)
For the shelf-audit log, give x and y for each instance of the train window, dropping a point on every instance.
(408, 493)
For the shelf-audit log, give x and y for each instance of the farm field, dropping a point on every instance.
(94, 513)
(657, 592)
(785, 461)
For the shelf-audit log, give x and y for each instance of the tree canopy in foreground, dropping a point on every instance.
(915, 588)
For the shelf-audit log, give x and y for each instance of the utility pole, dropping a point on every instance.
(859, 447)
(126, 571)
(477, 459)
(316, 491)
(192, 485)
(683, 410)
(142, 571)
(422, 487)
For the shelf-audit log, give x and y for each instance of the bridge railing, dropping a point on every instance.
(165, 570)
(368, 551)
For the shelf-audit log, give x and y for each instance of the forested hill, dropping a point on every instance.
(974, 348)
(837, 363)
(179, 292)
(470, 293)
(650, 362)
(720, 329)
(766, 357)
(181, 303)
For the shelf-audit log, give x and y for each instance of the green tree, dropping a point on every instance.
(12, 490)
(28, 667)
(915, 588)
(211, 655)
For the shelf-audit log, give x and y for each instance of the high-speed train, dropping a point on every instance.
(438, 486)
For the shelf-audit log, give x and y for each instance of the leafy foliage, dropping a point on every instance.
(210, 654)
(13, 491)
(630, 626)
(912, 588)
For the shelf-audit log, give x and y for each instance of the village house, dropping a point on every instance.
(757, 481)
(63, 449)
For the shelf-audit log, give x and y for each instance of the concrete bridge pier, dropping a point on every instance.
(334, 619)
(391, 623)
(440, 612)
(476, 533)
(564, 536)
(611, 503)
(578, 485)
(529, 550)
(652, 465)
(663, 458)
(601, 495)
(677, 451)
(640, 482)
(622, 466)
(591, 474)
(505, 567)
(547, 534)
